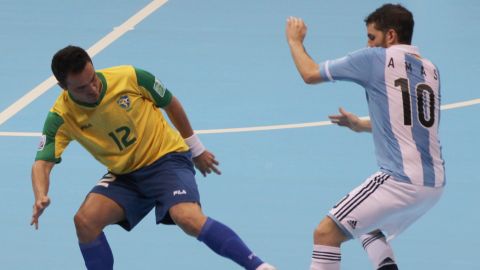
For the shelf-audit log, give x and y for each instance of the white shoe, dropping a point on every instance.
(266, 266)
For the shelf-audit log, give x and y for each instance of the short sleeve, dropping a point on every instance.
(355, 67)
(153, 88)
(54, 139)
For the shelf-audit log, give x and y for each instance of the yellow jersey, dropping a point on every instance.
(124, 129)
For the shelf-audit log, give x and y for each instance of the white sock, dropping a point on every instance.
(325, 258)
(379, 251)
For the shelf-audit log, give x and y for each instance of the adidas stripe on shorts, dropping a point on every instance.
(383, 203)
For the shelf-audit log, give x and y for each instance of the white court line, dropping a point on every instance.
(264, 128)
(460, 104)
(94, 50)
(20, 134)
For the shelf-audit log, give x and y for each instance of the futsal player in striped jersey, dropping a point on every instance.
(114, 113)
(403, 96)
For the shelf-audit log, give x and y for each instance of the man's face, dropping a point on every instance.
(376, 38)
(84, 86)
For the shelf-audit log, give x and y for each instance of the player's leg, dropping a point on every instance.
(171, 180)
(404, 203)
(384, 204)
(350, 218)
(217, 236)
(327, 239)
(95, 213)
(114, 200)
(379, 250)
(189, 217)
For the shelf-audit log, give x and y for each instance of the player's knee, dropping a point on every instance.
(328, 233)
(187, 226)
(320, 233)
(86, 231)
(81, 222)
(189, 219)
(192, 225)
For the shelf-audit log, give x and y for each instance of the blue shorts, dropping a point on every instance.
(168, 181)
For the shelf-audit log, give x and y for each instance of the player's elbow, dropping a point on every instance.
(311, 77)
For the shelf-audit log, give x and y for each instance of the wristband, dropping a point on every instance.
(195, 145)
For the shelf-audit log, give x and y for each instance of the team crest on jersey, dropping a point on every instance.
(42, 142)
(159, 87)
(124, 102)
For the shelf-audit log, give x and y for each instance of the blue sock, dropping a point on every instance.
(227, 243)
(97, 254)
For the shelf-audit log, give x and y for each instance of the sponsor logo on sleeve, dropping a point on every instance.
(43, 141)
(159, 87)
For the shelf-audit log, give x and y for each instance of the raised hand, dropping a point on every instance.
(296, 30)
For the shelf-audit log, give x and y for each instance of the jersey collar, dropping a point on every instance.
(407, 48)
(102, 93)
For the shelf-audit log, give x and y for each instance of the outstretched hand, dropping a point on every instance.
(206, 163)
(296, 29)
(347, 119)
(38, 209)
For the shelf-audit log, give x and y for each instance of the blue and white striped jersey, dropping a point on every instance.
(403, 94)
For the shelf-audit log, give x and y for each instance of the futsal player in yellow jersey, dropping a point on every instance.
(113, 113)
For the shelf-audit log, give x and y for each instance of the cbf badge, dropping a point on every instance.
(124, 102)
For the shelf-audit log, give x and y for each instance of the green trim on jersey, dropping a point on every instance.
(52, 124)
(102, 93)
(160, 94)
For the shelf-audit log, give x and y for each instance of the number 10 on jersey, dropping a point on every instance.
(425, 105)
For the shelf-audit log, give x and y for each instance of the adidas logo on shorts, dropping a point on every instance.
(352, 223)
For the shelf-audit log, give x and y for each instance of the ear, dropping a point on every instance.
(391, 37)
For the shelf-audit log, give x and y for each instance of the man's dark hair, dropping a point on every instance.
(396, 17)
(71, 59)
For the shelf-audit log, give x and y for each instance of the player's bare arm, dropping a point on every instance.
(40, 183)
(296, 31)
(204, 160)
(350, 120)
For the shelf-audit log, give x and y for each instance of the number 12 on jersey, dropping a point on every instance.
(425, 105)
(124, 140)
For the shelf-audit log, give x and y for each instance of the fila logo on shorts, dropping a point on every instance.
(179, 192)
